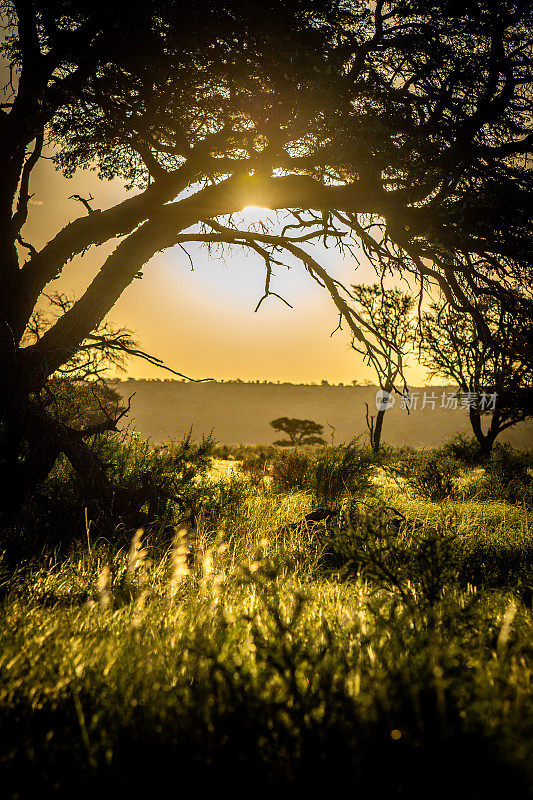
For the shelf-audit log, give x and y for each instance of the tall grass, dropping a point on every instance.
(386, 652)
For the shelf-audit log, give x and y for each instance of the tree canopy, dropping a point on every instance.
(402, 127)
(497, 384)
(299, 431)
(388, 314)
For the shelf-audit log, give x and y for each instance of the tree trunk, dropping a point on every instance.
(486, 440)
(370, 426)
(378, 427)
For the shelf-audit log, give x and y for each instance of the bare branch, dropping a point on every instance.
(86, 202)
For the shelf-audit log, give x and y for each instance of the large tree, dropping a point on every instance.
(403, 126)
(495, 384)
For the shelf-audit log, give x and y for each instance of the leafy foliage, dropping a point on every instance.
(452, 347)
(506, 477)
(105, 347)
(290, 471)
(429, 475)
(299, 431)
(152, 486)
(400, 127)
(464, 449)
(340, 472)
(83, 404)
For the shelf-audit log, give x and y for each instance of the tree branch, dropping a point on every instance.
(21, 214)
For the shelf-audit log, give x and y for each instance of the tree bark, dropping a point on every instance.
(486, 440)
(378, 427)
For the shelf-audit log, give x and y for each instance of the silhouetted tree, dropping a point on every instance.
(494, 383)
(299, 431)
(404, 126)
(389, 313)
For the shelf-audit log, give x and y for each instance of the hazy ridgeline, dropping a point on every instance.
(239, 413)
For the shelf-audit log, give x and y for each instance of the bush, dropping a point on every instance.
(210, 504)
(290, 470)
(508, 464)
(339, 472)
(506, 477)
(330, 474)
(149, 486)
(462, 448)
(424, 560)
(430, 475)
(258, 463)
(375, 541)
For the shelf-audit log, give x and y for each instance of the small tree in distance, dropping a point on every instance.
(388, 312)
(299, 431)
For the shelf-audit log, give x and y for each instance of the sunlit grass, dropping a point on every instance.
(242, 659)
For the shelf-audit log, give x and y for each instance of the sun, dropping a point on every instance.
(255, 215)
(254, 209)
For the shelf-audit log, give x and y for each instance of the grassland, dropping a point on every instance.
(388, 651)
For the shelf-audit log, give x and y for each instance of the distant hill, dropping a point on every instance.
(239, 413)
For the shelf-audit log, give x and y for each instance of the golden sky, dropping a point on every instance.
(202, 322)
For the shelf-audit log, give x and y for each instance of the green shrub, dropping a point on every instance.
(211, 504)
(508, 464)
(428, 474)
(290, 470)
(505, 478)
(425, 560)
(330, 474)
(339, 472)
(149, 485)
(420, 563)
(462, 448)
(257, 464)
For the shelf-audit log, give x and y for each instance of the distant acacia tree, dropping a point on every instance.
(389, 314)
(299, 431)
(494, 382)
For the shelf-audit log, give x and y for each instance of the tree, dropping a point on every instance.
(389, 313)
(494, 383)
(299, 431)
(403, 127)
